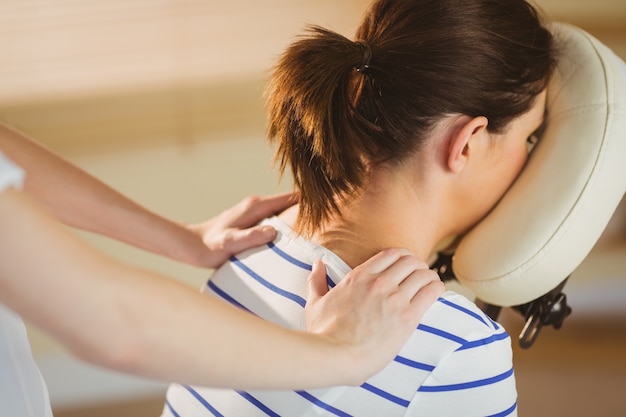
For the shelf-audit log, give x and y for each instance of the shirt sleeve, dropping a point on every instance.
(474, 380)
(10, 174)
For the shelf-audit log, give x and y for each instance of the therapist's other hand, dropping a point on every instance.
(375, 308)
(235, 229)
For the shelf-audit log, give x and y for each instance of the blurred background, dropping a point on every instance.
(162, 99)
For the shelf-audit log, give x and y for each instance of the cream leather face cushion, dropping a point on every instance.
(554, 213)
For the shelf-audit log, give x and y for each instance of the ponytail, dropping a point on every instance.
(338, 109)
(312, 98)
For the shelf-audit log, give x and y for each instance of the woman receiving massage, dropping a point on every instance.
(405, 137)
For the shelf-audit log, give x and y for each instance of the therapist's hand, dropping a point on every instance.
(235, 229)
(375, 308)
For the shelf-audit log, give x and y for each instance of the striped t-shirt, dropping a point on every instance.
(458, 362)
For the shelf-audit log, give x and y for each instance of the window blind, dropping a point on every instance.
(72, 48)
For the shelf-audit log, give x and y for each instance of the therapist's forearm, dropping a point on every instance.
(80, 200)
(136, 321)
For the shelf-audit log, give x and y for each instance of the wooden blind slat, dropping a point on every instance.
(69, 48)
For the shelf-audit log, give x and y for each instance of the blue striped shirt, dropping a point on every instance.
(457, 362)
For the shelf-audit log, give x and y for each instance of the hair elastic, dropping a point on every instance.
(367, 56)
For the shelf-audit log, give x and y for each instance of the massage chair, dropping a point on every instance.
(522, 253)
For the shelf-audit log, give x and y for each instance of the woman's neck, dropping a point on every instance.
(387, 213)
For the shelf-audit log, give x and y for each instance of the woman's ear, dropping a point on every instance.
(464, 138)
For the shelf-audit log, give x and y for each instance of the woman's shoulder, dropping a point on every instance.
(456, 314)
(455, 323)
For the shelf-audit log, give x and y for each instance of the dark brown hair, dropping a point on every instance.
(338, 107)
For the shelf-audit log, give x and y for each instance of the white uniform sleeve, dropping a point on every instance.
(10, 174)
(476, 381)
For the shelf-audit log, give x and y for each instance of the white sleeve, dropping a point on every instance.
(10, 174)
(474, 381)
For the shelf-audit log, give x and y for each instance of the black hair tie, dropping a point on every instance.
(366, 57)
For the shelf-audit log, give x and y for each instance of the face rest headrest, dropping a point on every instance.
(556, 210)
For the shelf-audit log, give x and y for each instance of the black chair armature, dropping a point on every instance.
(522, 253)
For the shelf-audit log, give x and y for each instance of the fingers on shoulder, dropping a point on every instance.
(390, 257)
(425, 297)
(316, 281)
(253, 208)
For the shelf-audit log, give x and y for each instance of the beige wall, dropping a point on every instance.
(167, 108)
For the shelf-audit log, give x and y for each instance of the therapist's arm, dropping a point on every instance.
(136, 321)
(80, 200)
